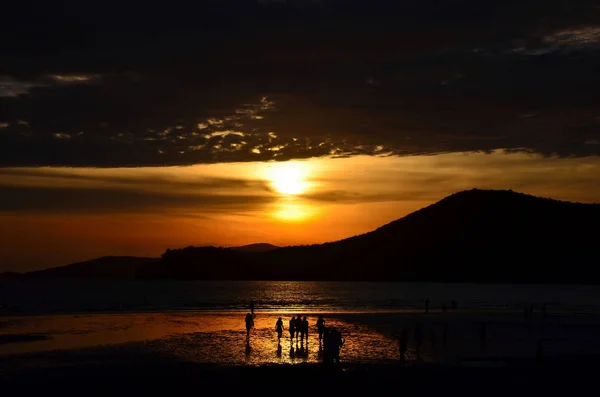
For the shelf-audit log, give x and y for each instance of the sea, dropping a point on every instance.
(49, 323)
(56, 297)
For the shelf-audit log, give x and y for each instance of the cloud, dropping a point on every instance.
(13, 88)
(424, 79)
(347, 197)
(168, 179)
(102, 200)
(74, 78)
(66, 191)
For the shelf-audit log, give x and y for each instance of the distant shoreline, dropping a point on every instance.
(24, 277)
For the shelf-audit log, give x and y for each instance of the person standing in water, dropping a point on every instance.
(337, 341)
(292, 328)
(249, 324)
(305, 328)
(279, 329)
(320, 326)
(328, 350)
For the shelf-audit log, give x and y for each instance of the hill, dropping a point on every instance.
(470, 236)
(107, 267)
(258, 247)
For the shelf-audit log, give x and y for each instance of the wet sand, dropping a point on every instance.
(219, 337)
(200, 349)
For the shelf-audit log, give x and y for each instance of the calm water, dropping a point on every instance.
(52, 297)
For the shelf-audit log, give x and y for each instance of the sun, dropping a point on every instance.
(288, 178)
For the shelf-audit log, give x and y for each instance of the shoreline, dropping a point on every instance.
(408, 311)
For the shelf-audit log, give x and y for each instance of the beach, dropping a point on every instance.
(127, 347)
(148, 353)
(201, 339)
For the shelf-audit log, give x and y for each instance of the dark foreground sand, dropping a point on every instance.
(153, 377)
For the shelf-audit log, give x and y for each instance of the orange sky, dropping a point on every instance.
(54, 216)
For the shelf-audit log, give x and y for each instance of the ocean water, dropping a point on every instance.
(55, 297)
(49, 323)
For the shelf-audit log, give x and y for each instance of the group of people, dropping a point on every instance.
(330, 338)
(298, 327)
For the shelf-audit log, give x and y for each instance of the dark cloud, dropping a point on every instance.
(113, 200)
(166, 182)
(346, 197)
(228, 80)
(55, 191)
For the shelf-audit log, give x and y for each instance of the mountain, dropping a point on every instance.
(258, 247)
(470, 236)
(107, 267)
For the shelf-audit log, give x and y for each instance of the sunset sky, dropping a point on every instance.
(126, 130)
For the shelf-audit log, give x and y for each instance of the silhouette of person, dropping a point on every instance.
(337, 342)
(252, 308)
(327, 346)
(418, 339)
(292, 327)
(249, 324)
(321, 326)
(305, 328)
(426, 305)
(279, 329)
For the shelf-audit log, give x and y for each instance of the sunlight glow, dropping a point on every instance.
(288, 178)
(290, 211)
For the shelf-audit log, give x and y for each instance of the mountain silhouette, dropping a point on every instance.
(258, 247)
(470, 236)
